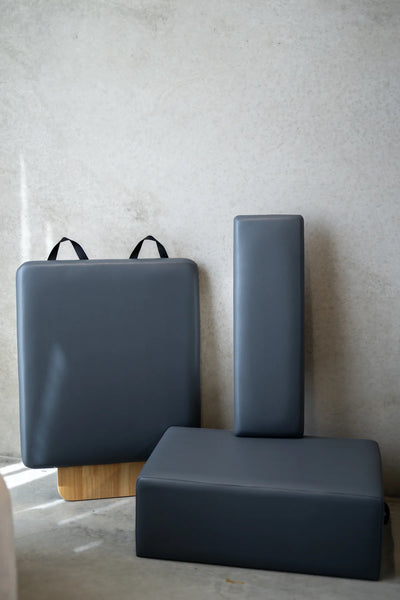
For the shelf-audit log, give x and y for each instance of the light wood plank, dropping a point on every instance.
(98, 481)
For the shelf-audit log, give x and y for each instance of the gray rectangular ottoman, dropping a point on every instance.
(309, 505)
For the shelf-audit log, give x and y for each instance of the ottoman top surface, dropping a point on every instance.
(308, 464)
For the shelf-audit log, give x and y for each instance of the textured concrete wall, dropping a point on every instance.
(121, 118)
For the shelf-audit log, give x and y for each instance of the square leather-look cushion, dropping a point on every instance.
(309, 505)
(108, 357)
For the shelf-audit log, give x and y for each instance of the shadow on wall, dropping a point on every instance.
(211, 392)
(327, 406)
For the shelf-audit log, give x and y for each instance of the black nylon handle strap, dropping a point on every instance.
(77, 247)
(161, 250)
(386, 513)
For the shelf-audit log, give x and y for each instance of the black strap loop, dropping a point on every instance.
(386, 513)
(77, 247)
(162, 251)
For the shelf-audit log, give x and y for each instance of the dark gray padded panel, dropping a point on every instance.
(269, 325)
(310, 505)
(108, 357)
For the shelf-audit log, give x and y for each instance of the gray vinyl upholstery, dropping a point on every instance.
(268, 325)
(310, 505)
(108, 356)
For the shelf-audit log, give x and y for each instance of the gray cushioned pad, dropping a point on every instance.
(268, 325)
(108, 357)
(311, 505)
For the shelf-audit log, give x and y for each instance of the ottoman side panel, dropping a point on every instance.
(325, 534)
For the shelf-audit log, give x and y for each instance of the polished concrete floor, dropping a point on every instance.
(86, 550)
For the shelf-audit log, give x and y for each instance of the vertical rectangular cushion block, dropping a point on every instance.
(268, 325)
(308, 505)
(109, 358)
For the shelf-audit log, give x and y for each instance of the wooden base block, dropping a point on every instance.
(98, 481)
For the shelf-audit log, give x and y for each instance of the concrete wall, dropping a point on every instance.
(121, 118)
